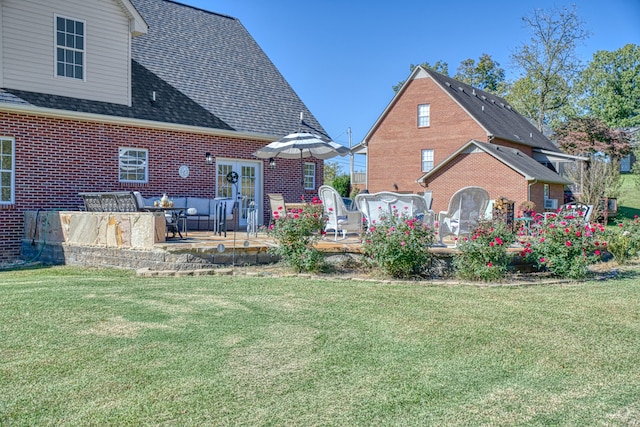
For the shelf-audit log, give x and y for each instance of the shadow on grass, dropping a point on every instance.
(626, 212)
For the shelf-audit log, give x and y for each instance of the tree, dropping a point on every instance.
(549, 63)
(486, 74)
(611, 86)
(331, 170)
(440, 67)
(589, 136)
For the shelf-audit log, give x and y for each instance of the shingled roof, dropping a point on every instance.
(213, 60)
(528, 167)
(205, 69)
(493, 113)
(170, 106)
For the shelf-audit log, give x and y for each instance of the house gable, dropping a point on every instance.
(29, 57)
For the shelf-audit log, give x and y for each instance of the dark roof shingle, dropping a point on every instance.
(212, 59)
(493, 113)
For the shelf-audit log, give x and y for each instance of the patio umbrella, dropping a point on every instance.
(301, 145)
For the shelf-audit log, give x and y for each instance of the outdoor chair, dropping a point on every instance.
(377, 206)
(276, 204)
(576, 208)
(466, 207)
(339, 218)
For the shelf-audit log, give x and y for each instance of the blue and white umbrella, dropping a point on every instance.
(300, 145)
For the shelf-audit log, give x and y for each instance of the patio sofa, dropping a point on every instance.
(203, 210)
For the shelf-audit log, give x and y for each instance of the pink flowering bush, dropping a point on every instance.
(296, 233)
(565, 245)
(483, 254)
(399, 245)
(623, 241)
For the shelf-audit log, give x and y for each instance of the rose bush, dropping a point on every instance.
(623, 241)
(483, 254)
(565, 245)
(399, 245)
(296, 232)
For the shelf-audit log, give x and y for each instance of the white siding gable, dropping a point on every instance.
(28, 48)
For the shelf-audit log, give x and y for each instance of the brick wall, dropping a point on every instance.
(58, 158)
(395, 148)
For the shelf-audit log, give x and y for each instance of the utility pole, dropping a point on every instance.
(350, 159)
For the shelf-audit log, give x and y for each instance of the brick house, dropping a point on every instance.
(109, 95)
(440, 134)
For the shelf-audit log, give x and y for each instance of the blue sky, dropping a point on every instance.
(342, 57)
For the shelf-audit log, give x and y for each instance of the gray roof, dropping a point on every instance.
(213, 60)
(205, 69)
(515, 159)
(493, 113)
(170, 106)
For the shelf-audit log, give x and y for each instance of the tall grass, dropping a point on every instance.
(96, 347)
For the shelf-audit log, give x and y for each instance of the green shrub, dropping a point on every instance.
(399, 246)
(623, 241)
(565, 245)
(342, 184)
(296, 233)
(483, 254)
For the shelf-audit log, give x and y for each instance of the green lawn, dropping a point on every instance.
(629, 199)
(104, 347)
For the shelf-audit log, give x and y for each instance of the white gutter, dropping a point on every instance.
(127, 121)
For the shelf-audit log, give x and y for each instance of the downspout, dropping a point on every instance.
(534, 182)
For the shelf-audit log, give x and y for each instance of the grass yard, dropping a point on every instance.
(104, 347)
(629, 199)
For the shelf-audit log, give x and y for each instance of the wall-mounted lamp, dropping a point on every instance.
(272, 163)
(208, 158)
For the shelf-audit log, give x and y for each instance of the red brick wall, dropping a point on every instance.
(58, 158)
(395, 148)
(478, 169)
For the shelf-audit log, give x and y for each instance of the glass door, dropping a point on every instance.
(239, 180)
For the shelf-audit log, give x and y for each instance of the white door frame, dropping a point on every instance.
(223, 188)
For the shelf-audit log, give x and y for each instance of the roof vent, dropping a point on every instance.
(483, 97)
(448, 84)
(153, 96)
(473, 91)
(502, 104)
(460, 89)
(509, 107)
(530, 134)
(483, 108)
(493, 101)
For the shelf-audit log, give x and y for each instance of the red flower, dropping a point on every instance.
(489, 264)
(568, 243)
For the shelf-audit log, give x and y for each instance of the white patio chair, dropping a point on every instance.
(466, 207)
(376, 206)
(339, 218)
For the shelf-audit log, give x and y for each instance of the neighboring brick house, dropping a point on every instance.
(441, 135)
(105, 95)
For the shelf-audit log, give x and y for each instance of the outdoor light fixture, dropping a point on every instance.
(272, 163)
(208, 158)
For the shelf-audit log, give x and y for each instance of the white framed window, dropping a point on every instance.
(7, 170)
(427, 160)
(424, 111)
(70, 47)
(133, 164)
(309, 176)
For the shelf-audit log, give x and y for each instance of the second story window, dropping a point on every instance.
(69, 48)
(309, 176)
(424, 115)
(427, 160)
(133, 165)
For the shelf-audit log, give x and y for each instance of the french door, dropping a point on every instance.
(240, 181)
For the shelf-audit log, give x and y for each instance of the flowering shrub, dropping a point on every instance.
(483, 254)
(399, 245)
(623, 241)
(565, 245)
(296, 233)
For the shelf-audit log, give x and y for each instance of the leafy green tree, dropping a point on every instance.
(486, 74)
(342, 184)
(439, 66)
(611, 86)
(549, 63)
(331, 170)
